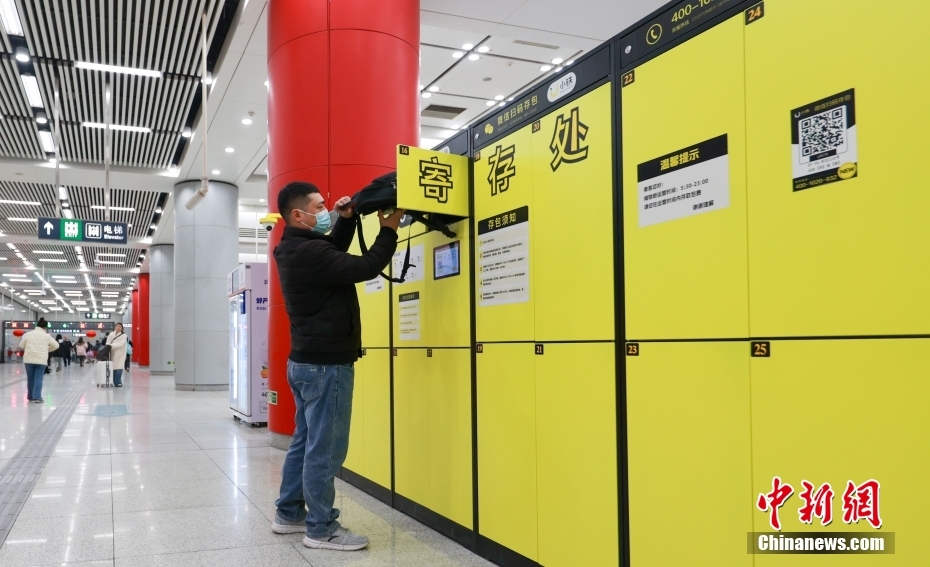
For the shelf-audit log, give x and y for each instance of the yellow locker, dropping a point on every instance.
(410, 321)
(503, 182)
(450, 449)
(373, 297)
(845, 257)
(377, 411)
(411, 425)
(686, 272)
(355, 459)
(576, 443)
(831, 411)
(507, 505)
(688, 444)
(446, 304)
(572, 221)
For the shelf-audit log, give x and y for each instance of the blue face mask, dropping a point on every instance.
(324, 222)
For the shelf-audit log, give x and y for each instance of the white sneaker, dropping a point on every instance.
(342, 540)
(286, 527)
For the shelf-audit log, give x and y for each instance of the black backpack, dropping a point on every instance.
(381, 195)
(103, 353)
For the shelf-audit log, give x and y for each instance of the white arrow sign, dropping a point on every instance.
(48, 228)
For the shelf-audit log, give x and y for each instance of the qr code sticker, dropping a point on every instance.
(824, 132)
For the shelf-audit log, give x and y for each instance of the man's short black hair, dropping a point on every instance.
(291, 196)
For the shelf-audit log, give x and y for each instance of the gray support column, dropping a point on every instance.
(206, 249)
(161, 309)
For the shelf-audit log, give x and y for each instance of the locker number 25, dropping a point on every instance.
(761, 348)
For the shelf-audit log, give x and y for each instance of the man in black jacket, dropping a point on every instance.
(318, 279)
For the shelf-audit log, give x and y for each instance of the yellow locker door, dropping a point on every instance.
(377, 410)
(573, 234)
(373, 296)
(507, 447)
(411, 425)
(685, 259)
(450, 466)
(504, 215)
(688, 450)
(576, 444)
(833, 411)
(410, 318)
(447, 305)
(845, 257)
(355, 459)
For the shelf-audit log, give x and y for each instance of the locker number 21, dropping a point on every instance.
(761, 348)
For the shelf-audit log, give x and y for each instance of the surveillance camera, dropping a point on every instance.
(269, 221)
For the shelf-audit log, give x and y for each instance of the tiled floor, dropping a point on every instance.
(175, 482)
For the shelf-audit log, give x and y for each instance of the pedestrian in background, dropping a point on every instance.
(36, 346)
(128, 353)
(54, 356)
(66, 351)
(117, 341)
(80, 349)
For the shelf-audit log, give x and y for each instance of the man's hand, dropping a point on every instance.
(392, 221)
(345, 211)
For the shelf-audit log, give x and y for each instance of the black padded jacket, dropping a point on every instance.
(318, 280)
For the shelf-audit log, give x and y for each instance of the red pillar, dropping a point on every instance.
(342, 94)
(140, 345)
(134, 336)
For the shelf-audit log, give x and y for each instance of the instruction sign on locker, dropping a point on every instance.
(686, 182)
(503, 181)
(432, 182)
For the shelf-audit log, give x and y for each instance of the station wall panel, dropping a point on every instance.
(840, 258)
(355, 458)
(510, 189)
(687, 277)
(576, 441)
(374, 305)
(446, 306)
(432, 430)
(572, 221)
(376, 404)
(411, 425)
(840, 410)
(370, 432)
(688, 418)
(507, 495)
(450, 447)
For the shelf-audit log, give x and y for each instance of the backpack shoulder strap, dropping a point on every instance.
(364, 248)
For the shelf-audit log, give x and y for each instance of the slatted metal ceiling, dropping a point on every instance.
(93, 255)
(162, 35)
(82, 200)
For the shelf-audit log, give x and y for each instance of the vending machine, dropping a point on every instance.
(247, 289)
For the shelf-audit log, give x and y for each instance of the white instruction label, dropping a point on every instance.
(504, 258)
(409, 318)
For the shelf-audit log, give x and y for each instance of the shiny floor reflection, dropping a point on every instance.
(172, 480)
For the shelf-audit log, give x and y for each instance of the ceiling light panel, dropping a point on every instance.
(153, 86)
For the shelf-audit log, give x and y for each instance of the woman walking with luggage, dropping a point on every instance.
(80, 349)
(117, 343)
(36, 346)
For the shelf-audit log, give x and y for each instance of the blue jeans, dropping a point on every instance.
(117, 376)
(323, 395)
(35, 373)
